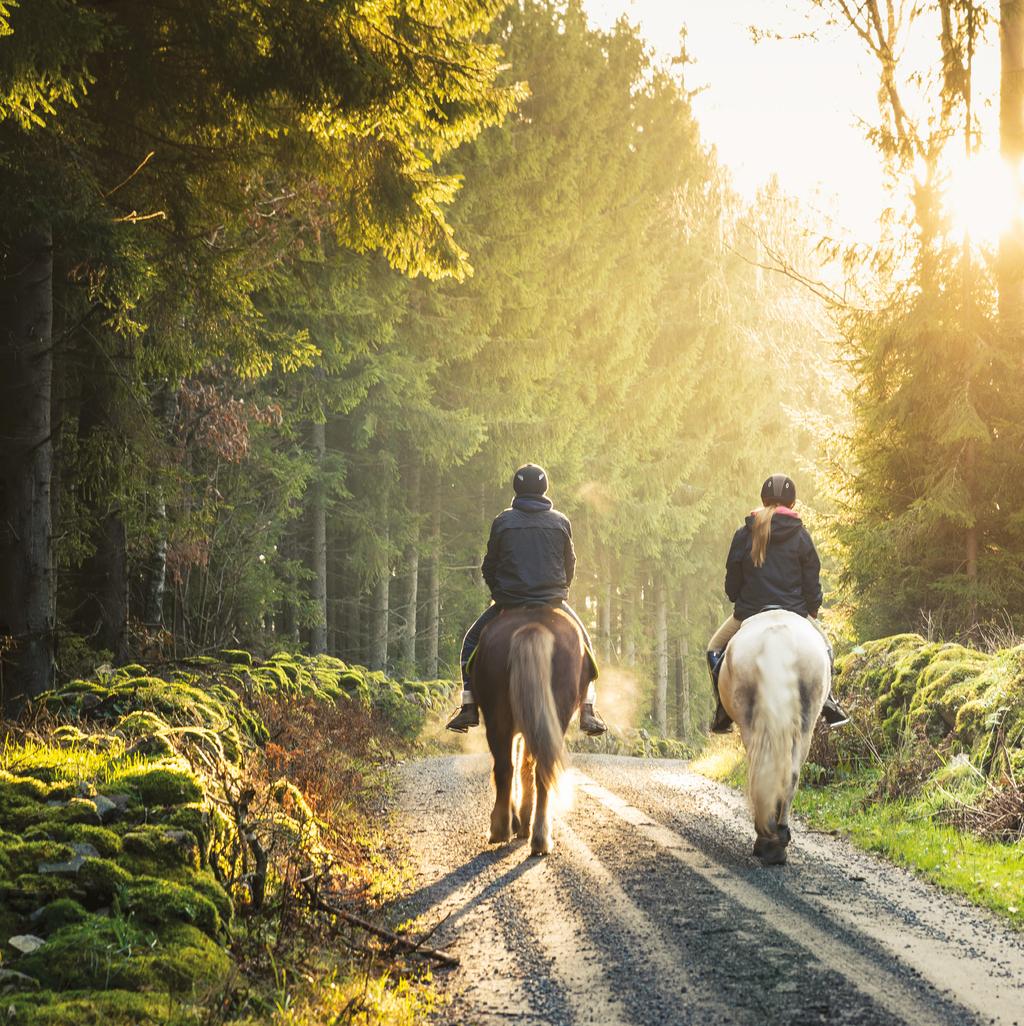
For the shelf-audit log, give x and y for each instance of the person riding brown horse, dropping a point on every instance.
(529, 676)
(530, 561)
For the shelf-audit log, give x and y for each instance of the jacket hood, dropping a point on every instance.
(532, 503)
(785, 523)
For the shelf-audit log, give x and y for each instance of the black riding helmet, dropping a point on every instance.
(530, 480)
(778, 490)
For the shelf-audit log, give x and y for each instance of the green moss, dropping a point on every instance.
(163, 846)
(100, 880)
(162, 783)
(104, 953)
(103, 839)
(90, 1008)
(58, 914)
(159, 902)
(236, 656)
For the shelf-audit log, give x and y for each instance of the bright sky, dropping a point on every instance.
(787, 106)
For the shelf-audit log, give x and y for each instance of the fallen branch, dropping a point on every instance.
(403, 943)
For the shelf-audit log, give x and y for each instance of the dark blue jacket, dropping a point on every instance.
(790, 577)
(530, 558)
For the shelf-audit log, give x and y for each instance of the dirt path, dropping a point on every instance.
(651, 910)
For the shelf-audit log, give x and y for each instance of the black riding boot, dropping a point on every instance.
(831, 712)
(721, 724)
(468, 716)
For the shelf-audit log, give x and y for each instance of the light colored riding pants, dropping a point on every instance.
(725, 633)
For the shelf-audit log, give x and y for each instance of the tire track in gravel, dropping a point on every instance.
(651, 910)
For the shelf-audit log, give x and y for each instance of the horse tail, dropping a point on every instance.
(775, 743)
(533, 702)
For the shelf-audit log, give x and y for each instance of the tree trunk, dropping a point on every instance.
(683, 671)
(27, 592)
(318, 538)
(1011, 143)
(166, 409)
(661, 653)
(432, 627)
(605, 613)
(412, 574)
(379, 623)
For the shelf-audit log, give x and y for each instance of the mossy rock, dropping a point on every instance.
(131, 671)
(104, 953)
(23, 787)
(58, 914)
(87, 1008)
(103, 839)
(236, 656)
(158, 902)
(163, 846)
(164, 783)
(100, 881)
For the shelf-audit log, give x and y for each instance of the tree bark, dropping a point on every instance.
(605, 613)
(661, 653)
(432, 627)
(379, 625)
(412, 574)
(1011, 143)
(683, 671)
(318, 538)
(27, 592)
(156, 569)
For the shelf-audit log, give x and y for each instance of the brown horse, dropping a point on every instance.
(528, 677)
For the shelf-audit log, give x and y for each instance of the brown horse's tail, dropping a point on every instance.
(533, 703)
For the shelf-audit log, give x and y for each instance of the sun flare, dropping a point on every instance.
(984, 197)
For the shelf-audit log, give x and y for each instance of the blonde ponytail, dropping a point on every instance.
(762, 532)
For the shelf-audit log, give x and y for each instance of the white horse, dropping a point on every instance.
(774, 680)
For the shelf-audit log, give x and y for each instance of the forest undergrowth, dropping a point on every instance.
(207, 842)
(930, 771)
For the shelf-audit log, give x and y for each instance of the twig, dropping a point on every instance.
(411, 947)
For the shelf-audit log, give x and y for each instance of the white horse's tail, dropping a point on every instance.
(533, 704)
(774, 753)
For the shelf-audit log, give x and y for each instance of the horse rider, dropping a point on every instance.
(772, 564)
(530, 561)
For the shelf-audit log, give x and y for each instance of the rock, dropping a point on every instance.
(26, 943)
(72, 865)
(10, 978)
(106, 809)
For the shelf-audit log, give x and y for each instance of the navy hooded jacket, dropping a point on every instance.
(790, 577)
(530, 558)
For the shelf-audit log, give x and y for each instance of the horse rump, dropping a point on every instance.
(534, 713)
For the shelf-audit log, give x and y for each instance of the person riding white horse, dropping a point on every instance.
(772, 564)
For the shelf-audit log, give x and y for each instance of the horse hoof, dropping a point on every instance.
(773, 855)
(785, 836)
(500, 837)
(523, 833)
(540, 850)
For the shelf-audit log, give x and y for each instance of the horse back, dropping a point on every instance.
(489, 676)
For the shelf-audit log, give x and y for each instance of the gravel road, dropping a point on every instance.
(651, 910)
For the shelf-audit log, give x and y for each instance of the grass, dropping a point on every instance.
(909, 832)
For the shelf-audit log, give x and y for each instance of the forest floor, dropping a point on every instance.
(651, 908)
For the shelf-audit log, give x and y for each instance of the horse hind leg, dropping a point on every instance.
(527, 796)
(501, 815)
(540, 841)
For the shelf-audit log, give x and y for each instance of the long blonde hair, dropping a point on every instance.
(762, 532)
